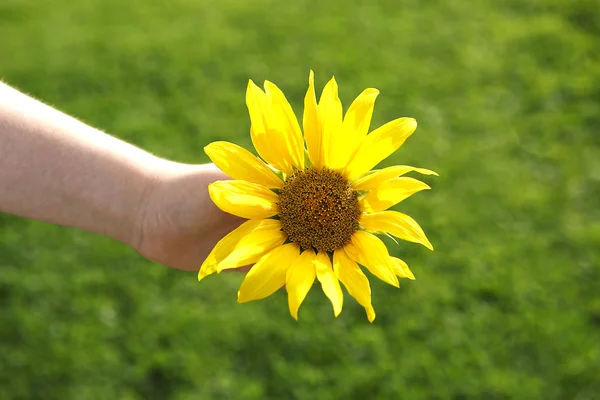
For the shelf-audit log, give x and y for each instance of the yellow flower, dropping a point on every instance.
(312, 211)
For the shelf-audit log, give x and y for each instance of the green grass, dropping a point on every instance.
(507, 95)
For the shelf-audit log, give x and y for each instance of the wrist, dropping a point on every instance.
(169, 187)
(154, 175)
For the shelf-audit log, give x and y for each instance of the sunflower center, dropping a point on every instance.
(318, 209)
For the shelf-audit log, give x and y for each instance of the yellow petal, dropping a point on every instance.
(397, 224)
(299, 279)
(258, 109)
(227, 245)
(358, 119)
(335, 147)
(354, 280)
(244, 199)
(368, 250)
(329, 282)
(285, 124)
(379, 144)
(251, 247)
(312, 125)
(401, 269)
(267, 138)
(390, 193)
(375, 178)
(268, 274)
(239, 163)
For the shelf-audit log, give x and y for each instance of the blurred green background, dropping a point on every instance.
(507, 95)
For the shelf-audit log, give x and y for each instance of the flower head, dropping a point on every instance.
(312, 202)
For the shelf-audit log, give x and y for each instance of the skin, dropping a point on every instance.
(56, 169)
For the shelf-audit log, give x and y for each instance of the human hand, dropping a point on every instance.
(179, 224)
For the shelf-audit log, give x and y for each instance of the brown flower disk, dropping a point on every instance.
(319, 209)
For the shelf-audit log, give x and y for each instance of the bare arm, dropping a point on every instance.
(56, 169)
(59, 170)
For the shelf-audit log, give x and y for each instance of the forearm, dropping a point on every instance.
(56, 169)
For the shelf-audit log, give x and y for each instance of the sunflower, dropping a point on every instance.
(313, 211)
